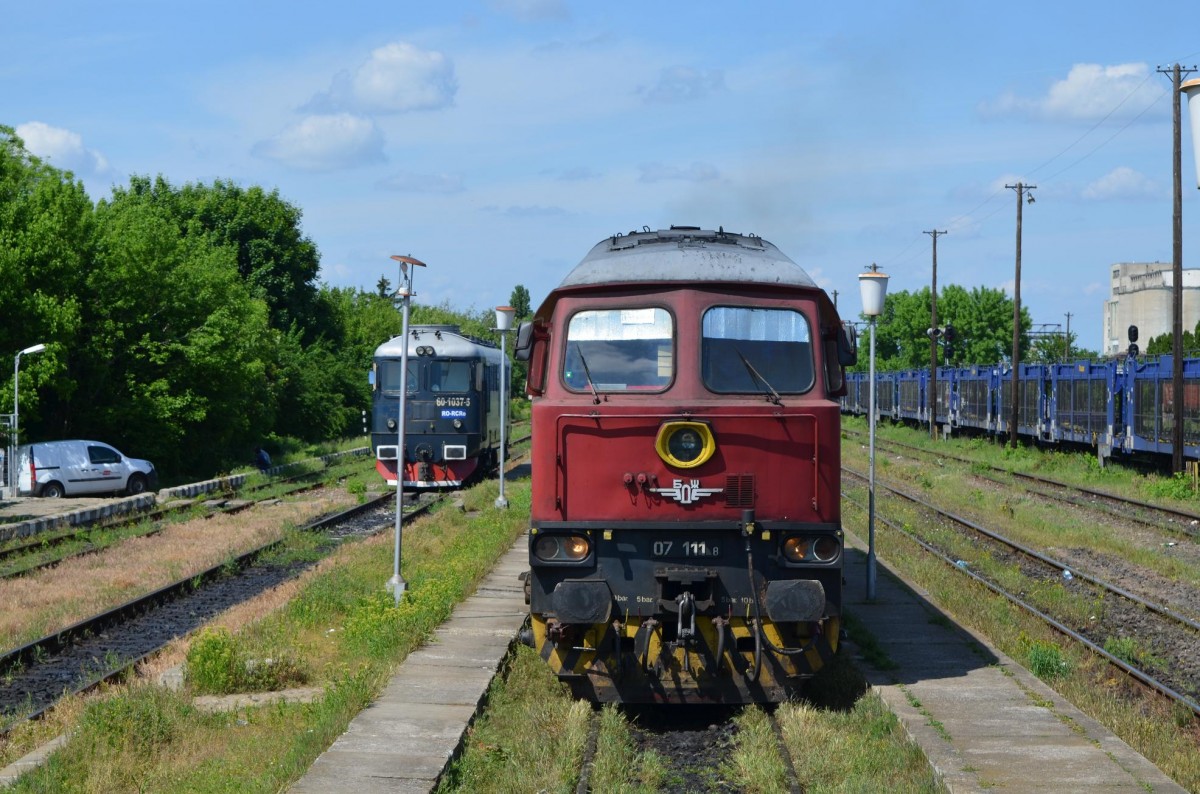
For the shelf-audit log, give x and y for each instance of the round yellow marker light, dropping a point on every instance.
(685, 445)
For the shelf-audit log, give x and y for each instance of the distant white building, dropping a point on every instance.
(1140, 294)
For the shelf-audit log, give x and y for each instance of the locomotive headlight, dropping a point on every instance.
(391, 424)
(561, 548)
(811, 548)
(685, 445)
(457, 424)
(826, 548)
(796, 548)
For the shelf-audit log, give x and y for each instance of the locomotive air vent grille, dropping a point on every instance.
(739, 490)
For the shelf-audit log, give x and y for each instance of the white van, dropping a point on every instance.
(80, 468)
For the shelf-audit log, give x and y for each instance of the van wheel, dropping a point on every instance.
(136, 485)
(52, 490)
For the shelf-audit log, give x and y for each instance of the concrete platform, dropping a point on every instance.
(984, 721)
(25, 516)
(404, 740)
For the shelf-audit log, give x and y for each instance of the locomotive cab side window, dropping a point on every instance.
(615, 350)
(756, 351)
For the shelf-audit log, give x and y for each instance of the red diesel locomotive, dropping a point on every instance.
(685, 541)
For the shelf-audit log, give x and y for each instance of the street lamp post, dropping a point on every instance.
(504, 320)
(873, 286)
(396, 584)
(12, 455)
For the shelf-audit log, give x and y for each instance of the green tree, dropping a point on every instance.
(1165, 343)
(520, 301)
(981, 317)
(46, 230)
(275, 259)
(174, 365)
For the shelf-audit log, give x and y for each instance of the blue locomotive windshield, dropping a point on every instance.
(756, 351)
(615, 350)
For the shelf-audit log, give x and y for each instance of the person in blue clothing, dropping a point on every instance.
(261, 459)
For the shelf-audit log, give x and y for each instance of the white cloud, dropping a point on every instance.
(1123, 183)
(408, 182)
(397, 78)
(1089, 92)
(532, 10)
(696, 172)
(683, 84)
(62, 149)
(325, 143)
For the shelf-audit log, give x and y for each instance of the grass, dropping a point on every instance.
(338, 623)
(863, 749)
(1164, 734)
(532, 738)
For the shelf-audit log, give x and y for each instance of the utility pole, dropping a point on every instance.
(933, 342)
(1177, 72)
(1067, 342)
(1014, 413)
(835, 300)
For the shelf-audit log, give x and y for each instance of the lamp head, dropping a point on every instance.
(405, 261)
(1191, 89)
(504, 318)
(34, 349)
(873, 286)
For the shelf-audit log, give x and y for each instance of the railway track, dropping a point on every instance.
(1157, 516)
(693, 741)
(78, 657)
(1170, 667)
(51, 547)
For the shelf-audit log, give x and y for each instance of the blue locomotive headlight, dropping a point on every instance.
(458, 424)
(391, 423)
(561, 548)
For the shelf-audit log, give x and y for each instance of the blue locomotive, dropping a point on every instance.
(1123, 406)
(452, 411)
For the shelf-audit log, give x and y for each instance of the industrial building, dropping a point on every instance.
(1140, 294)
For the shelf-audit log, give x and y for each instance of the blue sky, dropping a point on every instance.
(498, 140)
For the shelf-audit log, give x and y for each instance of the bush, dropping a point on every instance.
(216, 665)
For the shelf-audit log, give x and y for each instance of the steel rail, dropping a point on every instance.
(1166, 509)
(31, 653)
(1136, 673)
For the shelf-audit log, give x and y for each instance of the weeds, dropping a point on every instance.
(218, 665)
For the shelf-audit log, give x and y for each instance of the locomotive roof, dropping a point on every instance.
(447, 340)
(686, 253)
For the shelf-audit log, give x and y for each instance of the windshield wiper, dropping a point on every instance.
(773, 397)
(588, 374)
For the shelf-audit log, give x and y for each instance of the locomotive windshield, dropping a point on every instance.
(760, 351)
(389, 377)
(452, 376)
(620, 350)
